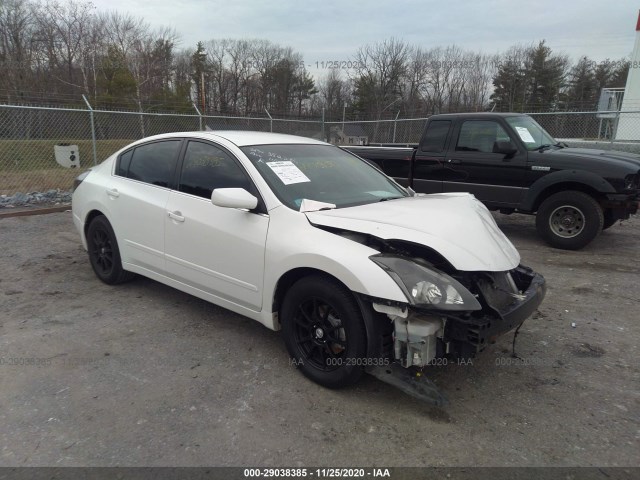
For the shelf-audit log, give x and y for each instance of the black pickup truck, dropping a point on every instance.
(510, 163)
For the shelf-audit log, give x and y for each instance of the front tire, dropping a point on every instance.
(324, 331)
(104, 254)
(569, 220)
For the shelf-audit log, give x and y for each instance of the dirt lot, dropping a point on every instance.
(141, 374)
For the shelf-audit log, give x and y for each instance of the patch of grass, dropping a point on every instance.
(27, 155)
(30, 165)
(37, 180)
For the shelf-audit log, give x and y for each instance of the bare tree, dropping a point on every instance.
(240, 69)
(124, 30)
(416, 82)
(216, 51)
(381, 69)
(65, 27)
(334, 93)
(93, 48)
(17, 46)
(480, 72)
(445, 78)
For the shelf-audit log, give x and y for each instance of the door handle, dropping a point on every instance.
(454, 160)
(113, 192)
(177, 216)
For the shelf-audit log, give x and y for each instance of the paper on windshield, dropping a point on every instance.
(525, 135)
(288, 172)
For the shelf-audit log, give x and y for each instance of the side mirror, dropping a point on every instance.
(506, 148)
(233, 198)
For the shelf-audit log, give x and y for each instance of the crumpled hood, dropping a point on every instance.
(456, 225)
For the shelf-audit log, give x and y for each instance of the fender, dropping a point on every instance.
(80, 219)
(356, 272)
(583, 177)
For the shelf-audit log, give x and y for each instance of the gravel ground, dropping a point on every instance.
(141, 374)
(34, 199)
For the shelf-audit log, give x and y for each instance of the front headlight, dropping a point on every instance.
(426, 287)
(631, 182)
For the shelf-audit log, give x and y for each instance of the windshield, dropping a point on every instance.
(532, 135)
(322, 173)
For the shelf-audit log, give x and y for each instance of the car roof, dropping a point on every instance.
(479, 114)
(242, 138)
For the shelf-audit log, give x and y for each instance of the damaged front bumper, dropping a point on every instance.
(507, 299)
(503, 311)
(422, 337)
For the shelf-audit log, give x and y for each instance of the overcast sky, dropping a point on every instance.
(333, 30)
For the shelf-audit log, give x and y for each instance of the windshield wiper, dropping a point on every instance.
(314, 206)
(543, 147)
(384, 199)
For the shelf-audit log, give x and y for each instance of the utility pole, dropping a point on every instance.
(202, 90)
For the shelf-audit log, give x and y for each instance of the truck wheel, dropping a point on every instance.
(104, 254)
(569, 220)
(324, 331)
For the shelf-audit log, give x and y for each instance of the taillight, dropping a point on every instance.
(78, 180)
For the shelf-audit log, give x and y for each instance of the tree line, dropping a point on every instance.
(53, 53)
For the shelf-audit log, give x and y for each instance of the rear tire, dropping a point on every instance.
(104, 254)
(569, 220)
(324, 331)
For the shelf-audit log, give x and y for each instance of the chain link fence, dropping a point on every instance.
(33, 140)
(37, 143)
(612, 130)
(400, 131)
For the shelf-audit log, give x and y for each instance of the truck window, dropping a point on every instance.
(532, 134)
(435, 136)
(480, 136)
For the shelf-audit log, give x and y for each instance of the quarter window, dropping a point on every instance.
(154, 163)
(124, 161)
(207, 167)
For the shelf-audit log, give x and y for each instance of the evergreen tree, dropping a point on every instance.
(510, 81)
(364, 96)
(303, 89)
(545, 75)
(116, 83)
(619, 75)
(583, 91)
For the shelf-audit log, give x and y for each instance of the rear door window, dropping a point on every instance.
(154, 163)
(436, 136)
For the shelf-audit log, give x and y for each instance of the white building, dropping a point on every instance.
(629, 123)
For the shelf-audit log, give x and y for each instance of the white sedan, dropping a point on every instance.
(358, 272)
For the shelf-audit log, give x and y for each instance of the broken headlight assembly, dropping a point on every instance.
(426, 287)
